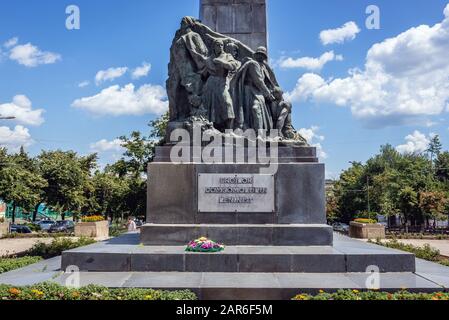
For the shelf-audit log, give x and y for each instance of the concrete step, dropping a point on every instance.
(238, 234)
(235, 259)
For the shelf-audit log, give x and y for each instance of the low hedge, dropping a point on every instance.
(8, 264)
(372, 295)
(92, 219)
(365, 221)
(57, 246)
(426, 252)
(53, 291)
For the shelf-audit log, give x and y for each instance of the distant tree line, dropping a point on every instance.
(67, 182)
(414, 187)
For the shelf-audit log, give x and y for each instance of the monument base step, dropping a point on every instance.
(118, 255)
(238, 234)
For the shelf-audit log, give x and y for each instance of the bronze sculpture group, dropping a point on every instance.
(223, 84)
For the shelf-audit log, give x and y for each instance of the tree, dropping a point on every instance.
(19, 183)
(442, 168)
(110, 192)
(66, 177)
(408, 201)
(435, 147)
(433, 205)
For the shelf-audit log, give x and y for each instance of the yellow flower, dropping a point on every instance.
(149, 297)
(37, 292)
(321, 291)
(202, 239)
(355, 291)
(75, 294)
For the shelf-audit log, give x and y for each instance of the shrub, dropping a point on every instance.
(92, 219)
(53, 291)
(372, 295)
(8, 264)
(426, 252)
(57, 246)
(365, 221)
(445, 262)
(116, 230)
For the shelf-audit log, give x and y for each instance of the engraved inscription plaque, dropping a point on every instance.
(235, 193)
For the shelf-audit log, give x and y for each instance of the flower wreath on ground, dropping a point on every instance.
(204, 245)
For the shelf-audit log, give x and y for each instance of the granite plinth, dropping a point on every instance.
(238, 234)
(173, 194)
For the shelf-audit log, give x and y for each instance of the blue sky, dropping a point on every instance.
(398, 93)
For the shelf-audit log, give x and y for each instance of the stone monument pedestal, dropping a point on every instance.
(238, 203)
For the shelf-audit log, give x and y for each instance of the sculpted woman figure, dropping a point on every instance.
(217, 100)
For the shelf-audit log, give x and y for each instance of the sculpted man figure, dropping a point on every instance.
(252, 93)
(188, 56)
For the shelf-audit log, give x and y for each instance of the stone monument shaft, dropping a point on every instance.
(244, 20)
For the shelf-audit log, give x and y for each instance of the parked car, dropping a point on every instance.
(139, 223)
(16, 228)
(340, 227)
(45, 225)
(62, 226)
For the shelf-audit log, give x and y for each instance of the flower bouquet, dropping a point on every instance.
(204, 245)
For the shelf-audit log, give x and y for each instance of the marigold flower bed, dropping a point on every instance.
(372, 295)
(52, 291)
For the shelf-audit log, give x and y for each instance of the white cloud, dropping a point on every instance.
(110, 74)
(109, 151)
(11, 42)
(107, 146)
(14, 139)
(405, 79)
(30, 55)
(313, 64)
(141, 71)
(347, 32)
(314, 139)
(416, 143)
(21, 109)
(83, 84)
(119, 101)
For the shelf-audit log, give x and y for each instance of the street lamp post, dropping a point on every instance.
(6, 118)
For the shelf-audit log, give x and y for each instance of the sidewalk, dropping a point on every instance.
(16, 246)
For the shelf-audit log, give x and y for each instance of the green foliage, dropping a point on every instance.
(117, 229)
(373, 295)
(57, 246)
(426, 252)
(8, 264)
(67, 182)
(20, 181)
(67, 176)
(53, 291)
(392, 184)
